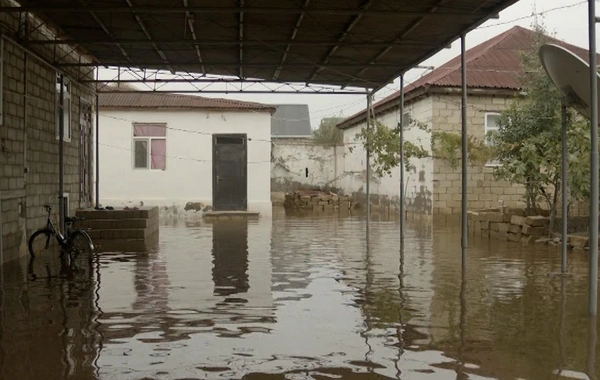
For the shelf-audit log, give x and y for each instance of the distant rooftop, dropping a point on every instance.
(116, 97)
(291, 120)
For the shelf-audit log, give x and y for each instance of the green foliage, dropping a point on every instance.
(328, 133)
(528, 142)
(384, 144)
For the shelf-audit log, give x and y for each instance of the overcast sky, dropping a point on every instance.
(566, 18)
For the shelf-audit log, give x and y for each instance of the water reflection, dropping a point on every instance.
(230, 256)
(300, 297)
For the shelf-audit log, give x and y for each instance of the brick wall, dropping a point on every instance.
(484, 191)
(28, 145)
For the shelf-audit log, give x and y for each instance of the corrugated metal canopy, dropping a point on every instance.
(353, 43)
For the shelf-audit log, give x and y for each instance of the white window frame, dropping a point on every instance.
(487, 129)
(68, 128)
(148, 140)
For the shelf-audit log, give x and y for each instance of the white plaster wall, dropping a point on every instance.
(419, 180)
(188, 176)
(291, 159)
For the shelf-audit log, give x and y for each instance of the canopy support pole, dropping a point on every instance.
(464, 202)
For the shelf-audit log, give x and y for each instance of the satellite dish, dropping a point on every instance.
(570, 74)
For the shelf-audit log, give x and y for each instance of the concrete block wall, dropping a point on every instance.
(386, 190)
(28, 144)
(292, 158)
(484, 190)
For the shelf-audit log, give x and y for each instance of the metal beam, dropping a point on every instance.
(401, 137)
(150, 64)
(142, 26)
(292, 38)
(387, 13)
(402, 35)
(303, 91)
(465, 154)
(241, 40)
(217, 43)
(105, 28)
(564, 188)
(365, 6)
(368, 158)
(594, 191)
(190, 24)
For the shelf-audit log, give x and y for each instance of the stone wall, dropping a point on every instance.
(28, 143)
(298, 164)
(484, 190)
(386, 190)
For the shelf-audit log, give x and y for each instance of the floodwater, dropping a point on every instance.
(301, 298)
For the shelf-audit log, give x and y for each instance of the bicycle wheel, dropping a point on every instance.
(80, 250)
(40, 242)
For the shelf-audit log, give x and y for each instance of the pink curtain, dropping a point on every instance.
(158, 154)
(149, 130)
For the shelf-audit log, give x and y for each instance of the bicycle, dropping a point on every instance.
(76, 242)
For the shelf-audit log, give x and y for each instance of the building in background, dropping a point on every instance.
(171, 150)
(432, 186)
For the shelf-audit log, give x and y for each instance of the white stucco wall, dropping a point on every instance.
(188, 176)
(292, 158)
(419, 180)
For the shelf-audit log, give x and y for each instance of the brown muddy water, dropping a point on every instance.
(300, 298)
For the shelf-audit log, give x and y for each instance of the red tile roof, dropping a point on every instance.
(493, 64)
(115, 97)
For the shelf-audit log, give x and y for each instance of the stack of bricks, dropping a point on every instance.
(317, 201)
(511, 226)
(122, 229)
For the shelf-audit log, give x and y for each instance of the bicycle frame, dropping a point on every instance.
(62, 239)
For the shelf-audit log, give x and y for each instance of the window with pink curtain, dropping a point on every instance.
(158, 154)
(150, 146)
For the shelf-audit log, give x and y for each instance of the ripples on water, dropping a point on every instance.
(300, 298)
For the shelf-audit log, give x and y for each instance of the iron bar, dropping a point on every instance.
(401, 135)
(593, 259)
(235, 91)
(220, 43)
(292, 40)
(368, 158)
(366, 5)
(146, 32)
(146, 64)
(190, 24)
(464, 156)
(97, 151)
(384, 13)
(61, 154)
(564, 188)
(241, 38)
(402, 35)
(592, 343)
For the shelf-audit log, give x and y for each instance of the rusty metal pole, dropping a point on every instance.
(368, 158)
(593, 259)
(61, 155)
(464, 226)
(401, 136)
(564, 187)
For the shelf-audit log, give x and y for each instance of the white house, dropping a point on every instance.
(170, 150)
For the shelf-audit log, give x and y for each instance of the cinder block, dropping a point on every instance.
(514, 229)
(503, 227)
(518, 220)
(537, 221)
(534, 231)
(514, 237)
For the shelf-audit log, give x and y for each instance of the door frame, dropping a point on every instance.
(243, 136)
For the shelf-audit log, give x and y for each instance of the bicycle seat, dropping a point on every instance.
(71, 219)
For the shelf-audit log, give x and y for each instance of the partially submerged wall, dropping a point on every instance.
(300, 164)
(29, 143)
